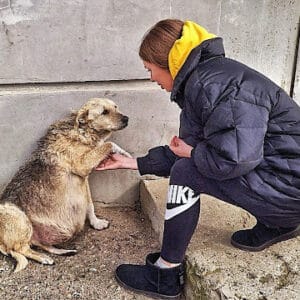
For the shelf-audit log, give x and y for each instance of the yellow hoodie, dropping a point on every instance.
(192, 36)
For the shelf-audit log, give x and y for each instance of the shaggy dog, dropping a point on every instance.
(49, 198)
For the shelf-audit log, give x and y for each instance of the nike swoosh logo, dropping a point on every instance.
(172, 212)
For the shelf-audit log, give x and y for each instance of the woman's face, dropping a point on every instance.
(161, 76)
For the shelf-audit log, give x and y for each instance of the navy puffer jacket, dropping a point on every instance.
(240, 123)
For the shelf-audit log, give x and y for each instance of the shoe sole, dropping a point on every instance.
(269, 243)
(145, 293)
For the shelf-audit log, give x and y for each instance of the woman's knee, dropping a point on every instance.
(185, 173)
(180, 165)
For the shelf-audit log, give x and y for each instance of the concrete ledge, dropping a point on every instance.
(216, 270)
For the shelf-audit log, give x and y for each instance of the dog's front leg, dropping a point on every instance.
(89, 160)
(117, 149)
(98, 224)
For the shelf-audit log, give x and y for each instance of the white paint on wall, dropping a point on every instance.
(232, 18)
(4, 4)
(24, 3)
(11, 19)
(13, 12)
(236, 2)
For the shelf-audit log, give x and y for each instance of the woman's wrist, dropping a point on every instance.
(131, 163)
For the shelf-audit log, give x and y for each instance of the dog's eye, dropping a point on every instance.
(105, 112)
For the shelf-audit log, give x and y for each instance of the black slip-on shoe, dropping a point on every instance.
(151, 280)
(260, 237)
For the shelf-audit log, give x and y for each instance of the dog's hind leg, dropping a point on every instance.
(21, 260)
(39, 257)
(98, 224)
(54, 250)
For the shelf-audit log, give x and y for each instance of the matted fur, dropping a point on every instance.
(48, 199)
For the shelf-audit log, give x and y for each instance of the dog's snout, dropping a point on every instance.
(125, 119)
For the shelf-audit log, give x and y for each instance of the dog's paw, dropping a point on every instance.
(47, 261)
(100, 224)
(127, 154)
(118, 149)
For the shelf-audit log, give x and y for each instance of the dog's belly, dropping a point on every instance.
(67, 218)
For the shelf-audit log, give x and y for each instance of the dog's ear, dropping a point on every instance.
(81, 118)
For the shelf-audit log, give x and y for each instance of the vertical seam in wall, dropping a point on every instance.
(170, 11)
(295, 61)
(220, 16)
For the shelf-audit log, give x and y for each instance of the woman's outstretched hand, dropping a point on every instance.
(180, 148)
(117, 161)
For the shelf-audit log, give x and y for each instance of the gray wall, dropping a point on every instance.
(54, 55)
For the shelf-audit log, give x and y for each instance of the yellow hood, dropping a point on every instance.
(192, 35)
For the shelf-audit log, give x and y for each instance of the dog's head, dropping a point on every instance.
(100, 114)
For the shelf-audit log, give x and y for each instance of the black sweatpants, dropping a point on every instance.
(183, 206)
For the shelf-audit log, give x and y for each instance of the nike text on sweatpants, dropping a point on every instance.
(180, 198)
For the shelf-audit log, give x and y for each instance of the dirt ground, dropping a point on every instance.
(90, 273)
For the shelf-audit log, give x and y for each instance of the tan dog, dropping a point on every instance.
(49, 198)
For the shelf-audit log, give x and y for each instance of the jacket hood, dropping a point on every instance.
(208, 49)
(192, 36)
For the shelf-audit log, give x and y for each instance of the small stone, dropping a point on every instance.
(94, 270)
(76, 295)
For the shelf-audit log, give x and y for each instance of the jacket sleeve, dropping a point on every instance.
(158, 161)
(233, 139)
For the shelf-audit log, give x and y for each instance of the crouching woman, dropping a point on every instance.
(239, 140)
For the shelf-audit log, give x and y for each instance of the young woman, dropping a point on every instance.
(239, 140)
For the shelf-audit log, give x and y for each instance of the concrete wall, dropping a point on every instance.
(54, 55)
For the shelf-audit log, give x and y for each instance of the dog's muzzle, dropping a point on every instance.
(124, 121)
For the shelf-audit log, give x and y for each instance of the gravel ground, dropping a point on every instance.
(90, 273)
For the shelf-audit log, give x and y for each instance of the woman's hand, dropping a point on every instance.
(180, 148)
(117, 161)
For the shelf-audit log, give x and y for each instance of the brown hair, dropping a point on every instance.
(158, 41)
